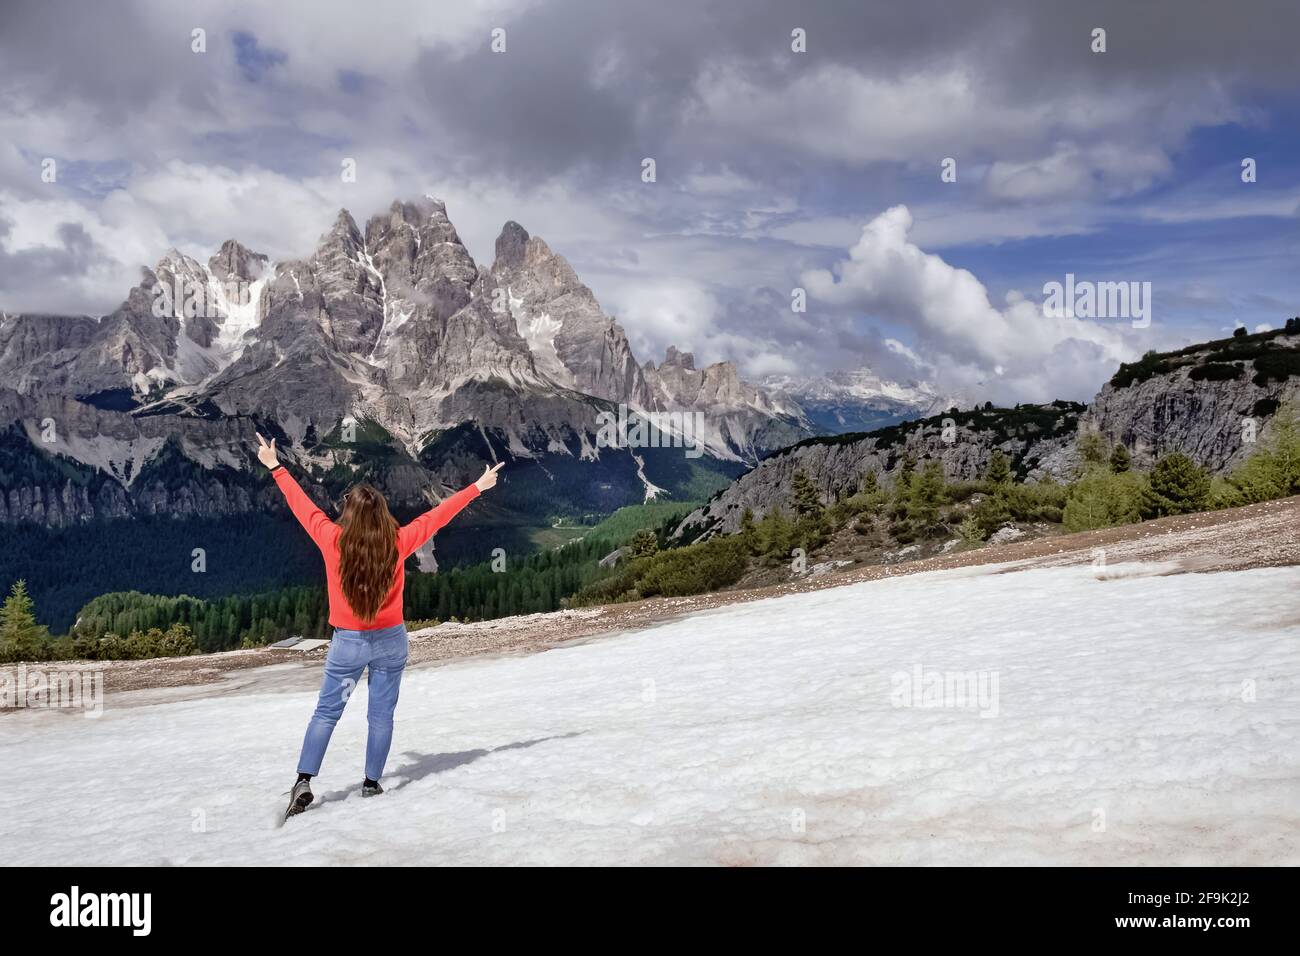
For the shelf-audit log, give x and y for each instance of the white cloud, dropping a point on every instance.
(660, 312)
(1069, 170)
(898, 348)
(1012, 353)
(722, 180)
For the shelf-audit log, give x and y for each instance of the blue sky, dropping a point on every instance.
(775, 169)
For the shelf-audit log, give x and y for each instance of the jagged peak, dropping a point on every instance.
(419, 211)
(511, 245)
(235, 246)
(236, 259)
(173, 258)
(343, 232)
(424, 218)
(678, 359)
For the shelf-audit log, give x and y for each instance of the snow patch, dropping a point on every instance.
(652, 491)
(539, 332)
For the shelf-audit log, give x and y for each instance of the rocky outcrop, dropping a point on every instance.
(1212, 419)
(1037, 439)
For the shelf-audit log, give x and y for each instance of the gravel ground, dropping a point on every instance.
(1262, 535)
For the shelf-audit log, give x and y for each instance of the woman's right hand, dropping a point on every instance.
(489, 477)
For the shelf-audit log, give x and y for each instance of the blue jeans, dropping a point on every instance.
(384, 651)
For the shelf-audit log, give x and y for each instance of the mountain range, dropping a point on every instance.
(858, 400)
(388, 353)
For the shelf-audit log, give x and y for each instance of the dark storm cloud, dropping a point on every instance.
(32, 278)
(117, 58)
(594, 84)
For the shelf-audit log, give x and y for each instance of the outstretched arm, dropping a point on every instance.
(313, 520)
(413, 535)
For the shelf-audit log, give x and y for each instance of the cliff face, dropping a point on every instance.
(1205, 401)
(64, 462)
(1037, 439)
(60, 506)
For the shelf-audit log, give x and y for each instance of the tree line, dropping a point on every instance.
(127, 624)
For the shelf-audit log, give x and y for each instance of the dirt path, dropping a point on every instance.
(1262, 535)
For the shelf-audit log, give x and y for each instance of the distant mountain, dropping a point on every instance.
(858, 400)
(387, 353)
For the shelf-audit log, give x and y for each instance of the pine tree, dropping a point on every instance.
(1088, 506)
(21, 638)
(1176, 485)
(906, 469)
(1120, 460)
(643, 544)
(804, 496)
(748, 529)
(1092, 449)
(775, 535)
(925, 496)
(999, 470)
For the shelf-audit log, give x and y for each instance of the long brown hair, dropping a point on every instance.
(367, 551)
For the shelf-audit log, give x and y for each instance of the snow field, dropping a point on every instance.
(1130, 719)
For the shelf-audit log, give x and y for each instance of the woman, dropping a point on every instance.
(364, 557)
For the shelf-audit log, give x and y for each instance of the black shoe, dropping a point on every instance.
(371, 789)
(300, 798)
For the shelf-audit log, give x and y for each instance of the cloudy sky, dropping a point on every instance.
(775, 169)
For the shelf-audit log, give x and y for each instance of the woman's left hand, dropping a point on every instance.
(266, 453)
(489, 477)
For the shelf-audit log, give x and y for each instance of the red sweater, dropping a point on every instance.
(326, 535)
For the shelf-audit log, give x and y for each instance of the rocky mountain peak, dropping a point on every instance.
(344, 234)
(173, 261)
(236, 261)
(678, 359)
(437, 224)
(510, 246)
(417, 252)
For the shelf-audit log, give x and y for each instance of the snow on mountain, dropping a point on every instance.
(793, 730)
(859, 400)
